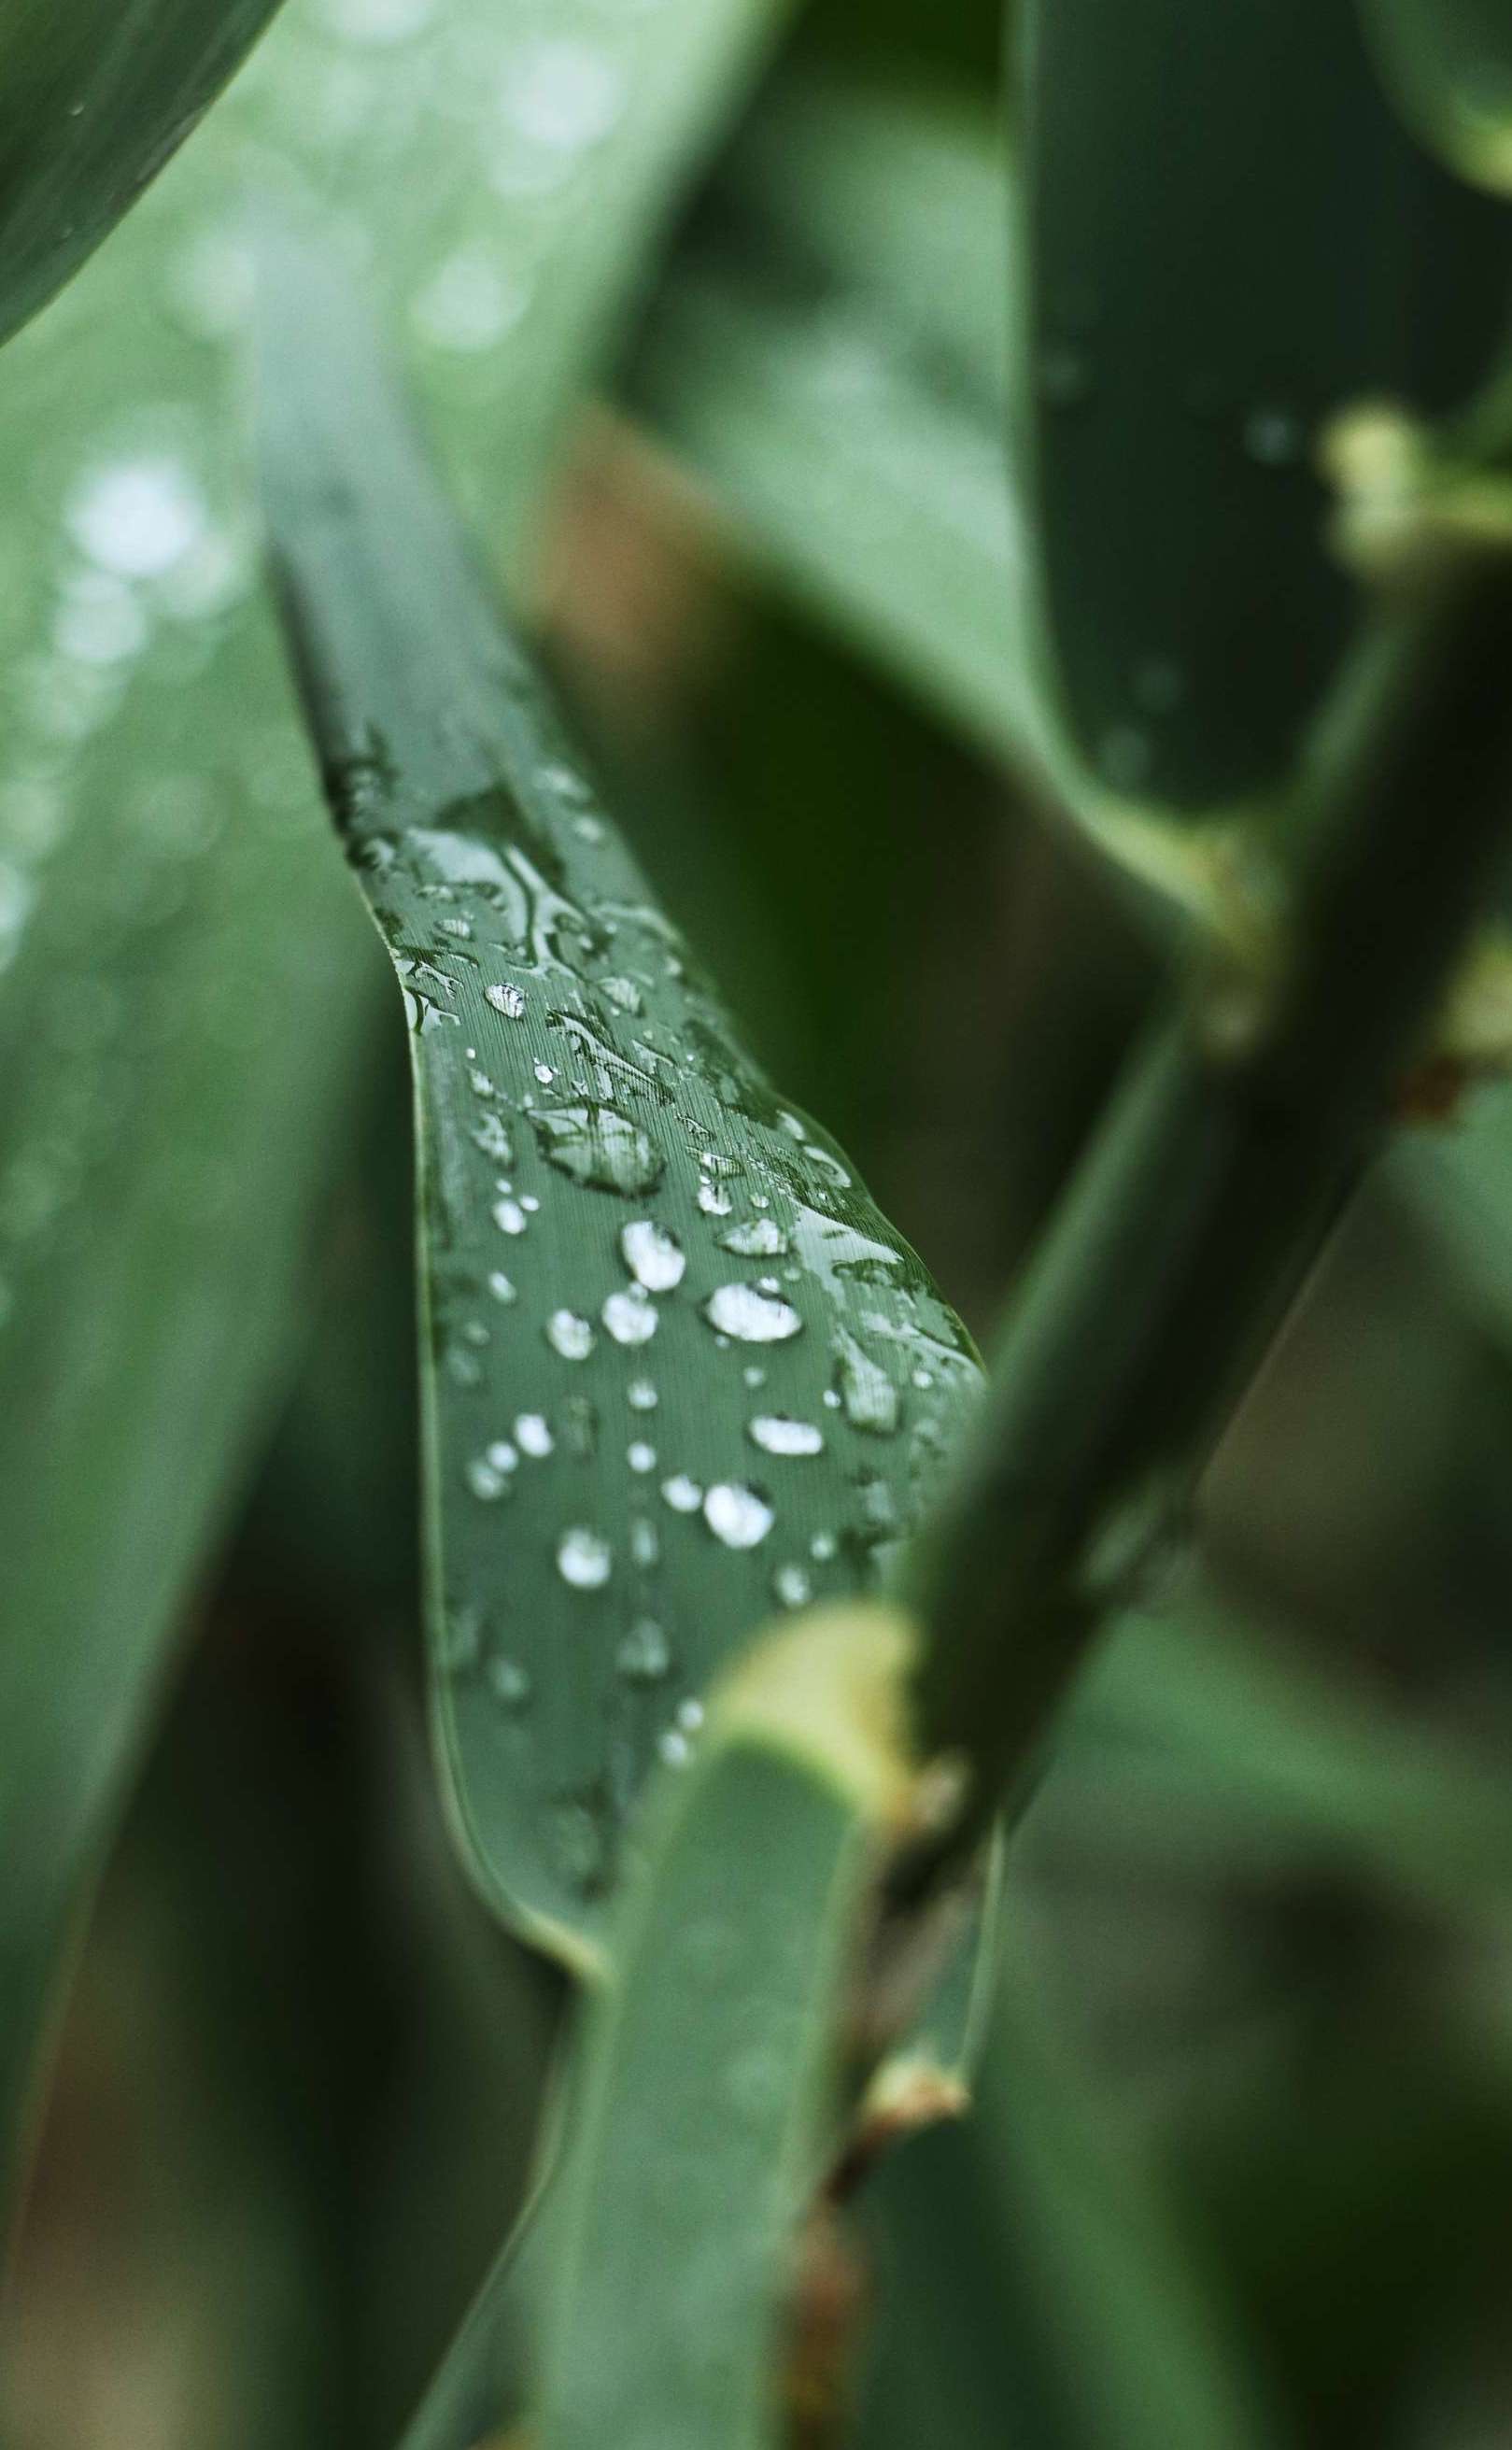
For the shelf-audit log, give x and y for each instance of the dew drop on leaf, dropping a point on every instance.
(737, 1515)
(584, 1559)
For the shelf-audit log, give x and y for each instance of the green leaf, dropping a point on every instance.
(818, 373)
(94, 97)
(1231, 237)
(677, 1368)
(1448, 65)
(713, 2078)
(188, 977)
(1459, 1180)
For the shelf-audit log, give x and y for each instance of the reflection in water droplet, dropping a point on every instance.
(630, 1317)
(572, 1336)
(750, 1317)
(737, 1515)
(598, 1146)
(583, 1559)
(645, 1655)
(761, 1238)
(506, 1000)
(681, 1493)
(652, 1255)
(778, 1435)
(533, 1435)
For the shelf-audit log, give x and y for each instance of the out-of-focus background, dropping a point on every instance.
(1260, 1895)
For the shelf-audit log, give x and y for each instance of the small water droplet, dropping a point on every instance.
(630, 1317)
(584, 1559)
(532, 1434)
(485, 1479)
(751, 1317)
(572, 1336)
(500, 1286)
(821, 1547)
(792, 1587)
(681, 1493)
(506, 1000)
(713, 1201)
(645, 1655)
(509, 1216)
(653, 1257)
(642, 1395)
(778, 1435)
(674, 1748)
(502, 1455)
(738, 1516)
(544, 1073)
(640, 1456)
(509, 1682)
(646, 1545)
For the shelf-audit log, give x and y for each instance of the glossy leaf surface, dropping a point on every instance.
(679, 1369)
(94, 97)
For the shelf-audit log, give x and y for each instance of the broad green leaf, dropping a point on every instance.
(179, 962)
(94, 97)
(713, 2062)
(1459, 1178)
(677, 1369)
(848, 416)
(1448, 63)
(1230, 237)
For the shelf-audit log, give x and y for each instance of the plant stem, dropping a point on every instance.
(1231, 1145)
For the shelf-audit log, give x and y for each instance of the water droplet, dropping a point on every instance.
(645, 1655)
(641, 1457)
(600, 1147)
(750, 1317)
(681, 1493)
(653, 1257)
(501, 1288)
(821, 1547)
(506, 1000)
(792, 1587)
(533, 1435)
(623, 992)
(712, 1200)
(643, 1397)
(778, 1435)
(485, 1479)
(867, 1392)
(674, 1748)
(509, 1682)
(630, 1317)
(583, 1559)
(492, 1138)
(737, 1515)
(690, 1716)
(646, 1545)
(544, 1073)
(572, 1336)
(509, 1216)
(760, 1238)
(502, 1455)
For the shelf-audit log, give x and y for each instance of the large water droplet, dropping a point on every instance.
(760, 1238)
(653, 1257)
(751, 1317)
(737, 1515)
(584, 1559)
(600, 1147)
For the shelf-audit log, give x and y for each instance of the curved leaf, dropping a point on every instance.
(94, 97)
(185, 973)
(677, 1368)
(1230, 236)
(1448, 63)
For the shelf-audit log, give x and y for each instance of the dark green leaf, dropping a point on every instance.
(1230, 236)
(678, 1369)
(94, 97)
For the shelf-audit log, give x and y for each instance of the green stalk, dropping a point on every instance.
(1241, 1126)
